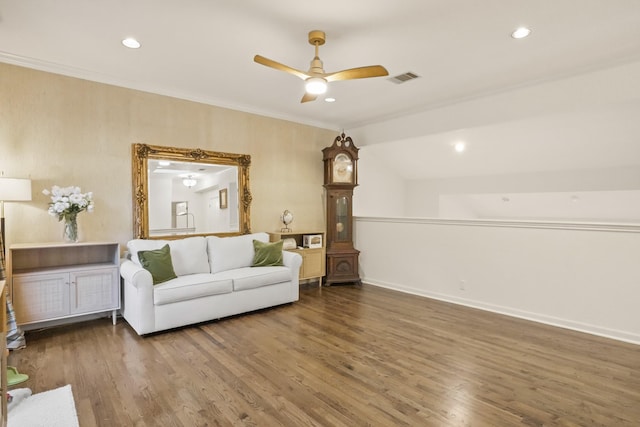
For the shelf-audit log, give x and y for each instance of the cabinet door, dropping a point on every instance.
(40, 296)
(342, 267)
(313, 264)
(95, 290)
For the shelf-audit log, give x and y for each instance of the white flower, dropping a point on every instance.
(78, 199)
(68, 201)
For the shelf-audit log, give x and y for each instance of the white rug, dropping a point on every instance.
(53, 408)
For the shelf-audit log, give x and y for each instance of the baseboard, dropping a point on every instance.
(508, 311)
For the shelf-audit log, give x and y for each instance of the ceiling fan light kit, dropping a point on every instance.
(316, 79)
(315, 85)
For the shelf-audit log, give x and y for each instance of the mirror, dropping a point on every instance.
(181, 192)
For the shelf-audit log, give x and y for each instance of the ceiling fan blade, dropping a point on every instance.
(278, 66)
(357, 73)
(308, 97)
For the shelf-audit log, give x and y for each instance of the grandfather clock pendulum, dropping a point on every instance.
(340, 178)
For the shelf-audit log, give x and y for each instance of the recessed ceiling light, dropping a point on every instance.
(520, 33)
(459, 147)
(131, 43)
(329, 100)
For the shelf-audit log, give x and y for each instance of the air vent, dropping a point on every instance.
(405, 77)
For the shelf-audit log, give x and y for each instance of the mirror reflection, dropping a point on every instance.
(181, 191)
(192, 198)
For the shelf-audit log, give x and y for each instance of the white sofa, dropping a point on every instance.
(214, 279)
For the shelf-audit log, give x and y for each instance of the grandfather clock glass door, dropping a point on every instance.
(339, 213)
(343, 223)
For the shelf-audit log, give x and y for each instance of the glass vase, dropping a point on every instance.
(70, 231)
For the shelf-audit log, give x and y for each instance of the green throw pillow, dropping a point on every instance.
(267, 254)
(158, 263)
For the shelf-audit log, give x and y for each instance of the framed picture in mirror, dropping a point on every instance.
(223, 199)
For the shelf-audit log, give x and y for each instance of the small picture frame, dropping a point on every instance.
(222, 194)
(312, 241)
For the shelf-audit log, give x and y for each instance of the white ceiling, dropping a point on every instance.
(203, 50)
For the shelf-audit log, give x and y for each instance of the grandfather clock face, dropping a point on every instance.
(342, 170)
(340, 161)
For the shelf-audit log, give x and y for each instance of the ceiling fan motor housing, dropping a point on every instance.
(317, 37)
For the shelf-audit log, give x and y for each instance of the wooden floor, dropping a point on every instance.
(341, 356)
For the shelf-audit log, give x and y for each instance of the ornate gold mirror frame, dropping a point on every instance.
(142, 153)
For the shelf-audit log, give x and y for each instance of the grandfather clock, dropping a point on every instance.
(340, 178)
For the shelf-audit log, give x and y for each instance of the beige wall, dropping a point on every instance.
(65, 131)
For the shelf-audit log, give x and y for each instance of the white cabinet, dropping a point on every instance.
(57, 281)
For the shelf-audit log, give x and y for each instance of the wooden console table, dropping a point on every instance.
(313, 259)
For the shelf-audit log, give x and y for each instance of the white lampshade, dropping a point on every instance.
(15, 189)
(315, 85)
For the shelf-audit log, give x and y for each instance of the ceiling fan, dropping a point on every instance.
(316, 79)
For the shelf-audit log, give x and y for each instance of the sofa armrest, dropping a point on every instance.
(137, 303)
(292, 260)
(135, 275)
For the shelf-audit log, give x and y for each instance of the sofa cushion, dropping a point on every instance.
(255, 277)
(190, 287)
(189, 255)
(267, 254)
(136, 245)
(228, 253)
(158, 263)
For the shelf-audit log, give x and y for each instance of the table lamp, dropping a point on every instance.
(12, 190)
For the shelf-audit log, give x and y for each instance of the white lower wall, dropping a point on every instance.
(609, 194)
(579, 276)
